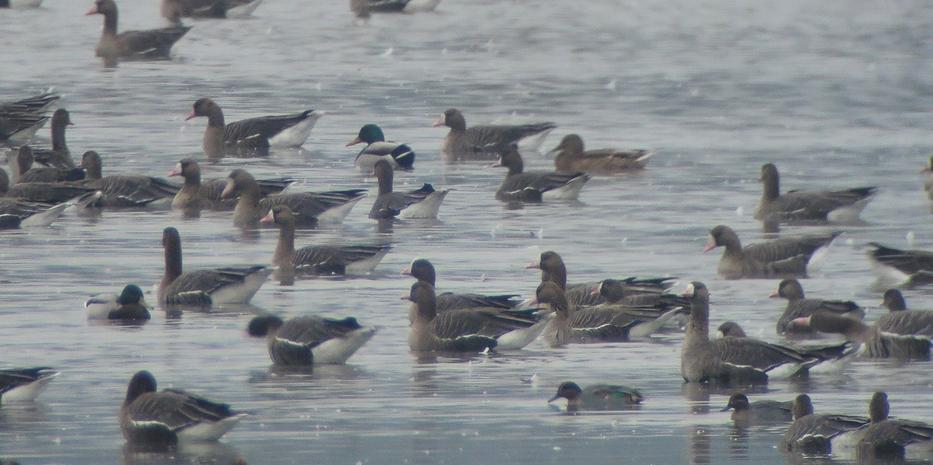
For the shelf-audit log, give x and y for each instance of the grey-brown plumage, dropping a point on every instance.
(34, 378)
(812, 433)
(153, 44)
(41, 192)
(777, 258)
(639, 292)
(889, 438)
(390, 204)
(483, 142)
(422, 270)
(808, 206)
(739, 349)
(746, 413)
(174, 10)
(196, 194)
(301, 341)
(900, 320)
(914, 266)
(534, 186)
(462, 331)
(58, 156)
(875, 342)
(799, 306)
(730, 329)
(570, 155)
(124, 191)
(20, 119)
(30, 173)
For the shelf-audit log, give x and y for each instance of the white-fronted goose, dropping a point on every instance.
(58, 156)
(422, 270)
(536, 186)
(875, 343)
(799, 306)
(484, 142)
(758, 412)
(570, 155)
(777, 258)
(730, 329)
(233, 285)
(124, 191)
(400, 156)
(42, 192)
(174, 10)
(164, 418)
(319, 259)
(814, 434)
(153, 44)
(891, 438)
(20, 3)
(196, 195)
(639, 292)
(20, 119)
(252, 136)
(15, 213)
(466, 329)
(130, 305)
(597, 397)
(423, 203)
(901, 267)
(35, 104)
(310, 340)
(30, 173)
(309, 208)
(807, 206)
(24, 384)
(900, 320)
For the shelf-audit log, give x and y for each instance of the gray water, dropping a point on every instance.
(836, 93)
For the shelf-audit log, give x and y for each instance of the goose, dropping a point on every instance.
(799, 306)
(174, 10)
(875, 343)
(34, 104)
(124, 191)
(309, 208)
(310, 340)
(900, 320)
(423, 203)
(786, 257)
(483, 142)
(254, 135)
(730, 329)
(24, 384)
(319, 259)
(536, 186)
(232, 285)
(597, 397)
(58, 156)
(21, 119)
(901, 267)
(766, 411)
(638, 292)
(20, 3)
(570, 155)
(165, 418)
(892, 438)
(805, 206)
(50, 193)
(467, 329)
(815, 434)
(130, 305)
(153, 44)
(196, 195)
(400, 156)
(15, 213)
(422, 270)
(29, 173)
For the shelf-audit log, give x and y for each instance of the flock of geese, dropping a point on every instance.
(44, 183)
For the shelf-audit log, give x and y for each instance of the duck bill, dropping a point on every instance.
(353, 142)
(552, 399)
(228, 190)
(726, 409)
(92, 11)
(268, 219)
(439, 121)
(710, 245)
(190, 115)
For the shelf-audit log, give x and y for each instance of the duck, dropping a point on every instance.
(197, 195)
(597, 397)
(422, 203)
(308, 208)
(49, 193)
(799, 306)
(536, 186)
(765, 411)
(892, 438)
(16, 213)
(153, 44)
(400, 156)
(310, 340)
(900, 320)
(231, 285)
(807, 206)
(125, 190)
(874, 342)
(24, 384)
(174, 10)
(58, 156)
(776, 258)
(319, 259)
(423, 270)
(21, 119)
(130, 305)
(484, 142)
(901, 267)
(252, 136)
(811, 433)
(30, 173)
(468, 329)
(604, 323)
(570, 156)
(164, 418)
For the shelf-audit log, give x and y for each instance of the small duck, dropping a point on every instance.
(758, 412)
(777, 258)
(154, 44)
(423, 203)
(310, 340)
(570, 155)
(799, 306)
(535, 186)
(24, 384)
(130, 305)
(400, 156)
(809, 206)
(597, 397)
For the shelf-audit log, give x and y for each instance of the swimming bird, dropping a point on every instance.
(15, 213)
(812, 433)
(422, 270)
(638, 292)
(484, 142)
(319, 259)
(124, 190)
(309, 208)
(785, 257)
(422, 203)
(24, 384)
(806, 206)
(58, 156)
(730, 329)
(130, 305)
(900, 320)
(901, 267)
(799, 306)
(50, 193)
(21, 119)
(570, 155)
(400, 156)
(164, 418)
(231, 285)
(875, 343)
(196, 195)
(536, 186)
(597, 397)
(30, 173)
(310, 340)
(891, 438)
(758, 412)
(174, 10)
(252, 136)
(153, 44)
